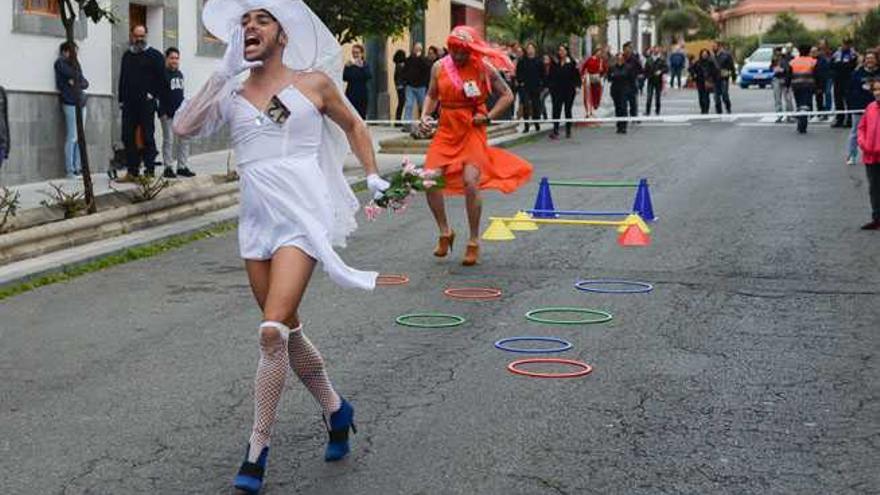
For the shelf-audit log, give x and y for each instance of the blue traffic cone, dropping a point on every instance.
(642, 205)
(544, 201)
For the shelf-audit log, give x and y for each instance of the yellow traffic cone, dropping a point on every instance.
(498, 231)
(634, 219)
(522, 221)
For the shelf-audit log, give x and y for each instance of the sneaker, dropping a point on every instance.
(168, 173)
(554, 137)
(875, 225)
(779, 120)
(128, 178)
(850, 161)
(185, 172)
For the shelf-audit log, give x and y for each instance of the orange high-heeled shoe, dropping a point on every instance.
(471, 254)
(444, 244)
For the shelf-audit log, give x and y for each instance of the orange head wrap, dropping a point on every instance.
(466, 38)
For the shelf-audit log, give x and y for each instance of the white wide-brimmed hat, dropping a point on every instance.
(310, 44)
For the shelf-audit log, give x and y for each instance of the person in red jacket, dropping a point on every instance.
(869, 142)
(592, 72)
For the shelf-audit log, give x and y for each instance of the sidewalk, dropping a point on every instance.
(204, 165)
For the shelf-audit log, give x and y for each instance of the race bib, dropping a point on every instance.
(471, 89)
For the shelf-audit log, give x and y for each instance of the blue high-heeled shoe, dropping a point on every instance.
(250, 475)
(340, 422)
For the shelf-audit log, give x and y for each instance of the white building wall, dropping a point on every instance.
(625, 30)
(26, 60)
(196, 69)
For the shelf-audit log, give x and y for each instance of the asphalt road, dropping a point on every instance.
(751, 368)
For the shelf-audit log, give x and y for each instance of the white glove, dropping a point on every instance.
(233, 61)
(377, 185)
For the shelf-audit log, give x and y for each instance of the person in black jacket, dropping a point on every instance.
(655, 68)
(142, 88)
(565, 79)
(4, 126)
(174, 148)
(623, 78)
(704, 72)
(416, 73)
(843, 64)
(71, 97)
(529, 76)
(632, 59)
(356, 75)
(726, 72)
(399, 83)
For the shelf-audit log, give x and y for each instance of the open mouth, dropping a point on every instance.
(251, 40)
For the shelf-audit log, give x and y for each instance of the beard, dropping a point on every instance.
(138, 46)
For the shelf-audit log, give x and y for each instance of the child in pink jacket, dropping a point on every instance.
(869, 142)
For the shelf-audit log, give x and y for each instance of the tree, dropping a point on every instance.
(789, 29)
(516, 24)
(350, 20)
(69, 9)
(564, 16)
(867, 32)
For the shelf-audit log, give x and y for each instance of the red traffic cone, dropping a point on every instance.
(633, 236)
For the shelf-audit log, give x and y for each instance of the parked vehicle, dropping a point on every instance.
(756, 68)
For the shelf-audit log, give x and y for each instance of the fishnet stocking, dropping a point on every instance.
(307, 363)
(269, 384)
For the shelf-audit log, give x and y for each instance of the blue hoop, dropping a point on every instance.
(564, 345)
(635, 287)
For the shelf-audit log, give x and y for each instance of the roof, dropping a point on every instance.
(748, 7)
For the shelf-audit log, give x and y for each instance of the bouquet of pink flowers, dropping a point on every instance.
(396, 198)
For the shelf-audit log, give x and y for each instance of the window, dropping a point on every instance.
(42, 7)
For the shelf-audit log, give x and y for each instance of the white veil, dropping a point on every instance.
(311, 47)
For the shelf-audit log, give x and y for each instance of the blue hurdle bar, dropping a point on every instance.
(580, 213)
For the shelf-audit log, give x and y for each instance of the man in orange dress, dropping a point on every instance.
(461, 83)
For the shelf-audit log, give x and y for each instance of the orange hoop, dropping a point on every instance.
(389, 279)
(473, 293)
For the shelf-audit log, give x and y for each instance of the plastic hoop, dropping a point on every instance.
(603, 316)
(635, 287)
(386, 279)
(586, 369)
(473, 293)
(455, 320)
(564, 345)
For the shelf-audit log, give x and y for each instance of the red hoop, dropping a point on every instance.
(473, 293)
(387, 279)
(586, 369)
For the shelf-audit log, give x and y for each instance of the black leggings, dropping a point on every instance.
(401, 102)
(560, 101)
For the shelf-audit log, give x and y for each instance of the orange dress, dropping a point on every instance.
(458, 142)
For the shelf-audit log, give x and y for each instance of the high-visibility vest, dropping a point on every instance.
(802, 69)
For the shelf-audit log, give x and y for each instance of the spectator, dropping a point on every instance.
(704, 72)
(142, 83)
(858, 97)
(643, 57)
(433, 54)
(803, 84)
(691, 82)
(356, 74)
(71, 97)
(399, 83)
(416, 74)
(869, 141)
(677, 61)
(593, 70)
(546, 64)
(4, 127)
(530, 78)
(843, 64)
(655, 68)
(782, 97)
(622, 76)
(175, 149)
(565, 79)
(823, 78)
(635, 65)
(726, 72)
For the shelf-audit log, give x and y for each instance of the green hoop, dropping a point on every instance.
(455, 320)
(603, 316)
